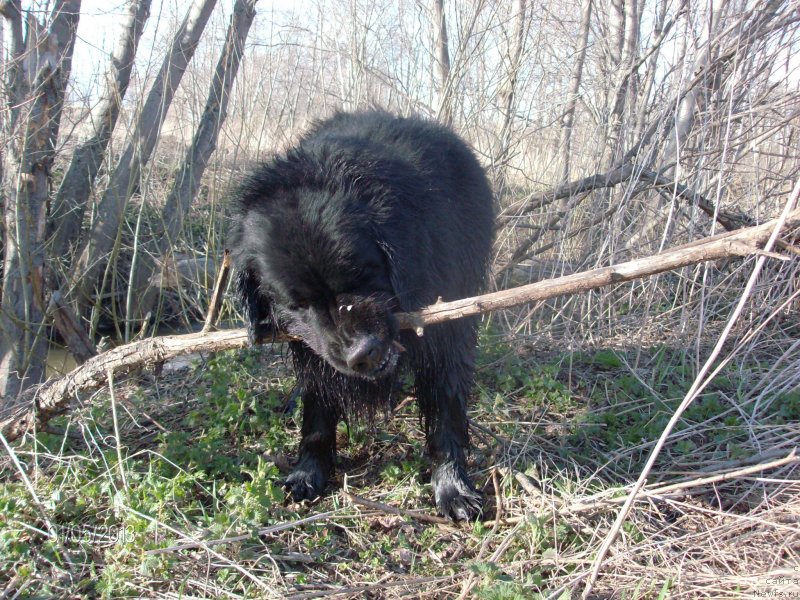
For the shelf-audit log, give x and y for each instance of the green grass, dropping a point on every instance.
(202, 448)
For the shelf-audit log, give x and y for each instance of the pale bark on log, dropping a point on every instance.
(734, 243)
(54, 396)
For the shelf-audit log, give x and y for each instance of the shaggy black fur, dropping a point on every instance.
(367, 215)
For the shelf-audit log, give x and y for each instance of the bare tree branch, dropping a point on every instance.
(443, 62)
(611, 178)
(509, 87)
(140, 146)
(190, 173)
(69, 205)
(568, 119)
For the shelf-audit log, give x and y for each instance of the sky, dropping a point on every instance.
(100, 26)
(98, 30)
(100, 22)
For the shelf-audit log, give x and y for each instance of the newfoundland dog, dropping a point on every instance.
(369, 214)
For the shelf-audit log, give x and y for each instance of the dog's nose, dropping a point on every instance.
(365, 355)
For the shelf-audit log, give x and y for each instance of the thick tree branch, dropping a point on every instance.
(53, 397)
(623, 173)
(611, 178)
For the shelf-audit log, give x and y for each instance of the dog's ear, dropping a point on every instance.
(396, 278)
(257, 307)
(404, 276)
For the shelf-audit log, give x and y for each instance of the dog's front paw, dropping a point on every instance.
(308, 480)
(456, 497)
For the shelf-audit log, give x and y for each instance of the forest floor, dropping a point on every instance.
(180, 495)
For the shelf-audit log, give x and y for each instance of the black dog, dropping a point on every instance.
(367, 215)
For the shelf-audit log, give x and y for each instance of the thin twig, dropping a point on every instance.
(241, 538)
(361, 591)
(207, 547)
(117, 437)
(392, 510)
(661, 492)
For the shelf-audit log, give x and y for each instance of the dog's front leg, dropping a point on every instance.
(442, 389)
(317, 454)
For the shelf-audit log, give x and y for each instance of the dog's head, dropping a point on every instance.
(355, 334)
(322, 270)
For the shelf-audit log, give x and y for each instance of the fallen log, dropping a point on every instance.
(53, 397)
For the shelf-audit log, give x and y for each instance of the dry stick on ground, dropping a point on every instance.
(658, 491)
(53, 397)
(385, 508)
(191, 543)
(385, 583)
(220, 557)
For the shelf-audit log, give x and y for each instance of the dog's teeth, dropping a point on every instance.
(383, 365)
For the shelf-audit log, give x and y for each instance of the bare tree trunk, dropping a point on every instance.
(624, 25)
(510, 84)
(443, 62)
(691, 102)
(644, 103)
(189, 175)
(140, 146)
(71, 200)
(568, 120)
(37, 79)
(690, 105)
